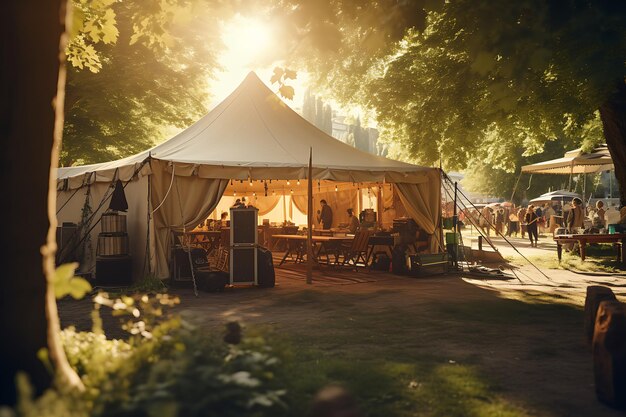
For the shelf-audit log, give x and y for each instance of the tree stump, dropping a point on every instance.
(595, 295)
(609, 353)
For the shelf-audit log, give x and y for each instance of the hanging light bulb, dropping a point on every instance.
(288, 183)
(273, 192)
(254, 194)
(336, 189)
(291, 191)
(250, 183)
(298, 183)
(234, 193)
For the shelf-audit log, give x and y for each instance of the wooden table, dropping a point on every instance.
(618, 239)
(296, 245)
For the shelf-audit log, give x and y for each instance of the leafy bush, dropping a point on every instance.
(167, 367)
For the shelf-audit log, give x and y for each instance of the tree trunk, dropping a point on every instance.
(30, 32)
(613, 115)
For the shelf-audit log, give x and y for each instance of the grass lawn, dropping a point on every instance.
(410, 347)
(443, 359)
(599, 258)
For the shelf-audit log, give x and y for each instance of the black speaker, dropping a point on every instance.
(243, 265)
(114, 271)
(243, 226)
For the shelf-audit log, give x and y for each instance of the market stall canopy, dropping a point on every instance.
(252, 134)
(559, 195)
(575, 162)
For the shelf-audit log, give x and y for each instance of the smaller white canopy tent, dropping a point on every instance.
(555, 196)
(575, 162)
(251, 142)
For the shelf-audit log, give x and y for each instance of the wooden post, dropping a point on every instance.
(609, 353)
(309, 222)
(595, 295)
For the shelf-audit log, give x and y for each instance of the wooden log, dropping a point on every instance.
(609, 353)
(595, 295)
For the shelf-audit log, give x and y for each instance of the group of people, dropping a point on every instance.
(533, 219)
(325, 218)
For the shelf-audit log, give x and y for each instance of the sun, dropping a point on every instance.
(249, 45)
(247, 41)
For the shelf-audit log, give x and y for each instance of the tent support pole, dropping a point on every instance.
(309, 222)
(515, 187)
(284, 208)
(379, 206)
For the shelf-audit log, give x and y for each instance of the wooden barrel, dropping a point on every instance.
(113, 223)
(609, 353)
(112, 244)
(595, 295)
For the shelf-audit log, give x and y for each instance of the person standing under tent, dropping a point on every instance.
(325, 216)
(521, 215)
(576, 216)
(548, 212)
(224, 219)
(598, 217)
(531, 219)
(353, 222)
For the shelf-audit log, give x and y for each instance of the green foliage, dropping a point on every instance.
(171, 368)
(495, 180)
(93, 21)
(65, 283)
(472, 79)
(281, 76)
(154, 76)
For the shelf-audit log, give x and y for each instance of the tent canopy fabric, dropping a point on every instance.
(249, 140)
(575, 162)
(559, 195)
(252, 134)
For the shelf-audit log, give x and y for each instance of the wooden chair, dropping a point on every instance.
(356, 252)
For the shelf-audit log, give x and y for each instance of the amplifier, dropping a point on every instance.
(428, 264)
(114, 271)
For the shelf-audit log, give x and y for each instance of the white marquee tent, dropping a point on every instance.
(251, 143)
(575, 162)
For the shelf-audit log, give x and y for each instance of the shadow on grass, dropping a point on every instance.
(436, 358)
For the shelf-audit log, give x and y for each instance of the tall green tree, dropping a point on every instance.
(478, 77)
(153, 75)
(31, 118)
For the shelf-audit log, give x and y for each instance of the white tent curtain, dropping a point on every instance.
(339, 202)
(265, 204)
(423, 204)
(190, 200)
(392, 207)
